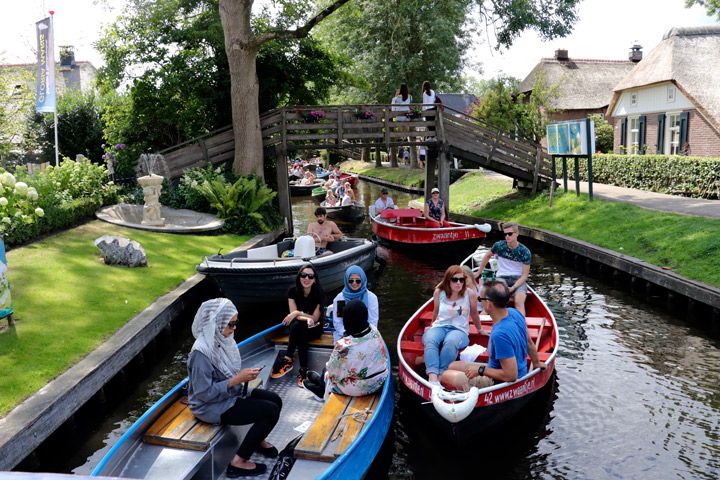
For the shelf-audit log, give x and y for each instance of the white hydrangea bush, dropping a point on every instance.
(18, 202)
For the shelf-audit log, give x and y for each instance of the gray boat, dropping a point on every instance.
(265, 274)
(340, 438)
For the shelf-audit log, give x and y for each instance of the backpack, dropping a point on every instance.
(285, 460)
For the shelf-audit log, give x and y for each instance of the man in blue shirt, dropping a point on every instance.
(508, 346)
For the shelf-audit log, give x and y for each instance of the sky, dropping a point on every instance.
(606, 29)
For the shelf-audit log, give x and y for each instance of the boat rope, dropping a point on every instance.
(361, 416)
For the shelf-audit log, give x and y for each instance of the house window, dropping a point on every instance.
(670, 94)
(672, 135)
(633, 138)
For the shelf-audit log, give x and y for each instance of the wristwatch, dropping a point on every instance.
(481, 370)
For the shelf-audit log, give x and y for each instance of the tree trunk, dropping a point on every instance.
(241, 50)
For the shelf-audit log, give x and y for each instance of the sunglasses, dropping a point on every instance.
(356, 281)
(310, 276)
(509, 234)
(232, 324)
(458, 279)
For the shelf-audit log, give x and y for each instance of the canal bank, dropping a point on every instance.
(25, 428)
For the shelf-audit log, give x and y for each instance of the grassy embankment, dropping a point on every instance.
(401, 176)
(67, 301)
(688, 245)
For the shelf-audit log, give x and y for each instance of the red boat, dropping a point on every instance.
(408, 226)
(460, 413)
(350, 178)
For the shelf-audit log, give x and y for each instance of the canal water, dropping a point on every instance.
(636, 393)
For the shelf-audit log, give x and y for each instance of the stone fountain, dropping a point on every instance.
(152, 215)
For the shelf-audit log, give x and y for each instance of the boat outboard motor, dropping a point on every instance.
(454, 406)
(305, 247)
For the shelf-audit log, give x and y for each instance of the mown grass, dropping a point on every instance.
(67, 301)
(401, 175)
(688, 245)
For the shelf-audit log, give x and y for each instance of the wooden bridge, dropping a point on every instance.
(355, 130)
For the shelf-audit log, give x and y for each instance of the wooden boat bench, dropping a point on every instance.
(337, 425)
(325, 340)
(177, 427)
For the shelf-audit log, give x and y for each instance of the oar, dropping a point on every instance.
(537, 341)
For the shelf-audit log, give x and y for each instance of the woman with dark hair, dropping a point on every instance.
(215, 392)
(454, 305)
(306, 302)
(401, 102)
(358, 364)
(430, 101)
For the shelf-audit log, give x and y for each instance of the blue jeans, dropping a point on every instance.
(442, 345)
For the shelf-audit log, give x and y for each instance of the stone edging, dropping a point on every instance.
(635, 267)
(25, 427)
(396, 186)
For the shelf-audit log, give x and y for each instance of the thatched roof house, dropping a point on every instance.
(585, 85)
(670, 102)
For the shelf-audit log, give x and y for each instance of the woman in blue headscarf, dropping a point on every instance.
(355, 289)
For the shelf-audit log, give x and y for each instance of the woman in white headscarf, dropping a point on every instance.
(216, 378)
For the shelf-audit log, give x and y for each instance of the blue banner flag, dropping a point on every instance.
(45, 90)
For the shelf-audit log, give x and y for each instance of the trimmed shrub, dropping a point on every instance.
(57, 217)
(697, 177)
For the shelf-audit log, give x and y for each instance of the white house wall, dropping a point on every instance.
(652, 99)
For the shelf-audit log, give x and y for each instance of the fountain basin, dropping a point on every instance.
(175, 220)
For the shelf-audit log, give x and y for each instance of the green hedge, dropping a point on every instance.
(57, 217)
(697, 177)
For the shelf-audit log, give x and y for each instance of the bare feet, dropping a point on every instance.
(432, 377)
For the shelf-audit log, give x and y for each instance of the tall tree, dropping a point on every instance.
(16, 108)
(242, 44)
(394, 41)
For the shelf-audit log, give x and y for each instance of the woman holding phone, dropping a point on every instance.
(215, 392)
(355, 289)
(306, 302)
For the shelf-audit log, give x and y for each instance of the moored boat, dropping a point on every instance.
(459, 414)
(264, 274)
(348, 213)
(168, 442)
(408, 227)
(318, 194)
(299, 190)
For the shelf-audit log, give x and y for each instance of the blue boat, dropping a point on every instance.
(168, 442)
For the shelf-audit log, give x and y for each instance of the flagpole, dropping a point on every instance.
(55, 113)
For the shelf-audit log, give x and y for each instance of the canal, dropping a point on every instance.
(636, 393)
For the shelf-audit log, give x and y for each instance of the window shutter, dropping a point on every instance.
(623, 132)
(641, 134)
(684, 128)
(661, 134)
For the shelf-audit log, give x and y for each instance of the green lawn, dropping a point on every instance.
(67, 301)
(400, 175)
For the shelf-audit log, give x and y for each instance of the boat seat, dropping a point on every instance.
(325, 340)
(177, 427)
(335, 427)
(269, 252)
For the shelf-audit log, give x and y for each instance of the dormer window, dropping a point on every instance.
(670, 94)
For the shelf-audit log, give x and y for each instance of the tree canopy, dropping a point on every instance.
(711, 6)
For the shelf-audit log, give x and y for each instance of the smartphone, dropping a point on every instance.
(340, 307)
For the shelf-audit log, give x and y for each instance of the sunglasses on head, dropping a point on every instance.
(509, 234)
(458, 279)
(357, 281)
(310, 276)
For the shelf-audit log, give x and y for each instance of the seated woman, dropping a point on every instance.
(435, 210)
(308, 179)
(215, 391)
(355, 289)
(306, 301)
(349, 191)
(358, 364)
(330, 199)
(450, 329)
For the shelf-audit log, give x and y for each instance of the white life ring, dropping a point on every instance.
(454, 406)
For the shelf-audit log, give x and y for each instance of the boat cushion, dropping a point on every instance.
(337, 425)
(401, 213)
(269, 252)
(177, 427)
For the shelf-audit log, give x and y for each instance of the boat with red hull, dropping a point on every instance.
(408, 227)
(464, 415)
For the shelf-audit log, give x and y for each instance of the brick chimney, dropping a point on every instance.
(635, 53)
(561, 55)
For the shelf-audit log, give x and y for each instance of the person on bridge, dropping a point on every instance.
(508, 346)
(435, 210)
(323, 231)
(454, 305)
(216, 393)
(514, 260)
(384, 202)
